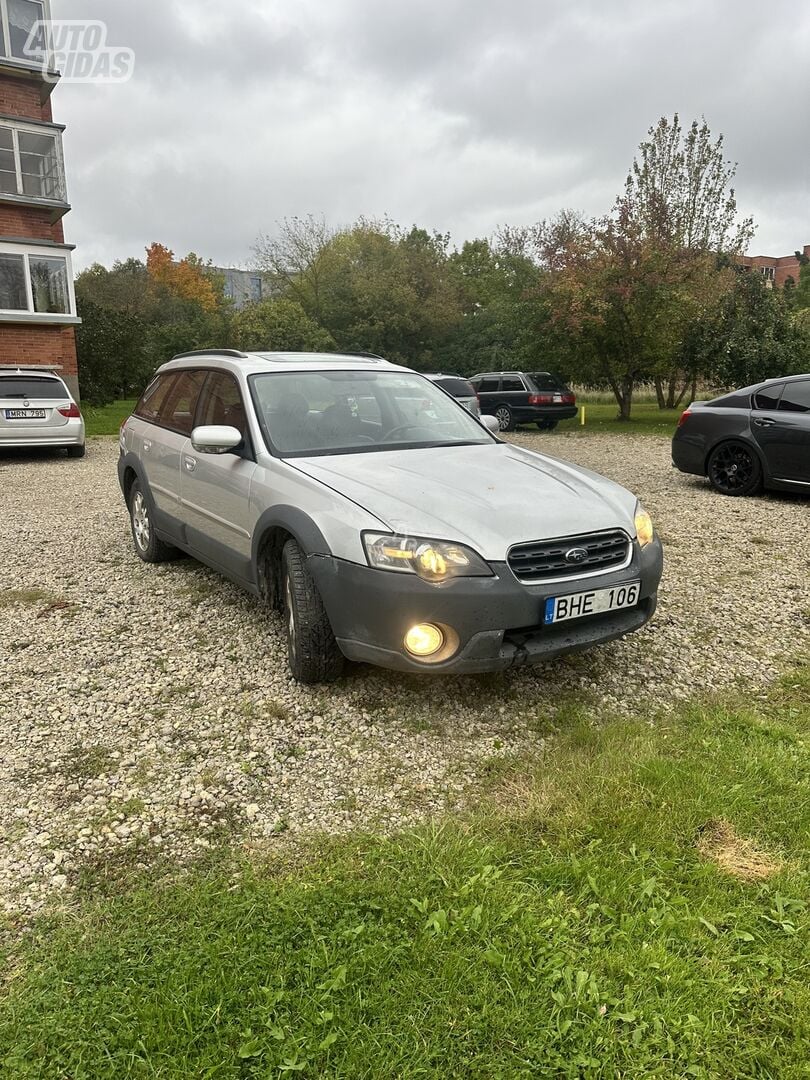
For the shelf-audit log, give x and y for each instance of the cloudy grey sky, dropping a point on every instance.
(456, 114)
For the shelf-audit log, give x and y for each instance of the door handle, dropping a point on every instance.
(764, 423)
(190, 463)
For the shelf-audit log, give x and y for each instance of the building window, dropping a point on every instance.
(13, 293)
(31, 162)
(35, 281)
(768, 273)
(19, 17)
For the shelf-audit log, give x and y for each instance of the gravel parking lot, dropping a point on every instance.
(148, 709)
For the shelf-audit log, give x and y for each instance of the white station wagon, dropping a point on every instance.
(388, 524)
(38, 410)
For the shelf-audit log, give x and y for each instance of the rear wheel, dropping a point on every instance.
(147, 544)
(503, 414)
(76, 451)
(313, 653)
(547, 425)
(733, 469)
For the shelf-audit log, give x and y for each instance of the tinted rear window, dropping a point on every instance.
(34, 387)
(456, 387)
(543, 381)
(767, 397)
(796, 397)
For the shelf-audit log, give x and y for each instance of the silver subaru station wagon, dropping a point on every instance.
(385, 522)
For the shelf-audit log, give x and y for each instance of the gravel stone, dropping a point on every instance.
(147, 710)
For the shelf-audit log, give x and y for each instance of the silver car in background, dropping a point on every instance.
(38, 410)
(459, 388)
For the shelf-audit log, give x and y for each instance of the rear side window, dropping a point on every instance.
(148, 408)
(35, 386)
(768, 397)
(488, 386)
(178, 407)
(543, 381)
(457, 387)
(796, 397)
(512, 383)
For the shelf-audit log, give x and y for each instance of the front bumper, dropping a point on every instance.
(499, 620)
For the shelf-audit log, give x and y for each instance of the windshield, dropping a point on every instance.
(457, 387)
(335, 412)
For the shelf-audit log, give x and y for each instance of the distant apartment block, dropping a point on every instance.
(776, 271)
(37, 303)
(242, 286)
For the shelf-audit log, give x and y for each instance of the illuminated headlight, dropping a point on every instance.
(644, 526)
(432, 560)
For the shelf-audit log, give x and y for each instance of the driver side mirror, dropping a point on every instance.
(491, 424)
(215, 439)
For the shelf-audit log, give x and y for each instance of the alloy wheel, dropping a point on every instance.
(140, 521)
(732, 468)
(504, 418)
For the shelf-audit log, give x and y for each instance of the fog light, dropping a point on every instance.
(424, 640)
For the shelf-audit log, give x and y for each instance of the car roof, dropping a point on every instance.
(47, 372)
(487, 374)
(254, 363)
(754, 387)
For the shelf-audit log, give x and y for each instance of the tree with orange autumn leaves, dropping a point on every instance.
(187, 279)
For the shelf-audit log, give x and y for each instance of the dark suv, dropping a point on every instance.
(519, 397)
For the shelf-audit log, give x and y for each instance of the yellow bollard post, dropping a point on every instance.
(582, 417)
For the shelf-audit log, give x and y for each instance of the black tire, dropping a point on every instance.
(503, 414)
(734, 469)
(547, 425)
(147, 545)
(313, 653)
(76, 451)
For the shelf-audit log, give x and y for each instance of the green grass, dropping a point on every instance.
(570, 928)
(646, 419)
(106, 419)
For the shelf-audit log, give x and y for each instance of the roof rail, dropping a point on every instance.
(212, 352)
(365, 355)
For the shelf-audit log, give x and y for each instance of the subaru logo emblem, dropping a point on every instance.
(576, 555)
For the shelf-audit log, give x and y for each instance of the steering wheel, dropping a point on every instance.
(402, 427)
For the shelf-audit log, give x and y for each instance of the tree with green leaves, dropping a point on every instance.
(280, 325)
(626, 291)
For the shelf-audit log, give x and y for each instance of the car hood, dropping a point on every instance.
(489, 497)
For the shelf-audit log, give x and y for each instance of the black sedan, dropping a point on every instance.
(758, 436)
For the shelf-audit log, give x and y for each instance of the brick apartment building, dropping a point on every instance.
(778, 270)
(37, 302)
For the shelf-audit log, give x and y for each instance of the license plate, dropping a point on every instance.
(558, 399)
(25, 414)
(561, 608)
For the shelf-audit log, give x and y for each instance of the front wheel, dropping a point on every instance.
(313, 653)
(503, 414)
(734, 469)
